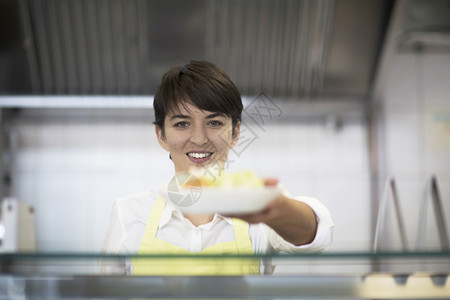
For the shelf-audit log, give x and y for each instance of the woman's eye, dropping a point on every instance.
(181, 124)
(215, 123)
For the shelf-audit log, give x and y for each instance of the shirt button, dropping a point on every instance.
(196, 242)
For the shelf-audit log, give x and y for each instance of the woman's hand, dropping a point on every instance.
(293, 220)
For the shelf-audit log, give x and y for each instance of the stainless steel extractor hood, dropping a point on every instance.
(287, 48)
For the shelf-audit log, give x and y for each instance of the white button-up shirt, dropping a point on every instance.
(130, 215)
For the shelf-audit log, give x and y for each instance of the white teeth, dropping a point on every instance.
(199, 155)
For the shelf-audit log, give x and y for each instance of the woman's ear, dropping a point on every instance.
(235, 134)
(161, 137)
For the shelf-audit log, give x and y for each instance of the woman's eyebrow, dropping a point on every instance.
(212, 116)
(180, 117)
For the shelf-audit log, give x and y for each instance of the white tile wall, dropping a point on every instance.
(416, 87)
(71, 171)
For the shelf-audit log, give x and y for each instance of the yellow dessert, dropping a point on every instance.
(202, 178)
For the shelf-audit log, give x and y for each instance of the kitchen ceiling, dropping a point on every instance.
(288, 48)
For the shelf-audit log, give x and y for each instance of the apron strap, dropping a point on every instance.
(155, 217)
(241, 233)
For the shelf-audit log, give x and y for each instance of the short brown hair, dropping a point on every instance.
(201, 83)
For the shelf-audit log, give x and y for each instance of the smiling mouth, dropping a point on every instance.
(199, 154)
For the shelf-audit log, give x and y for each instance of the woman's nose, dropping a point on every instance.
(199, 136)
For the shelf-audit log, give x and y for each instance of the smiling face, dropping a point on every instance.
(197, 138)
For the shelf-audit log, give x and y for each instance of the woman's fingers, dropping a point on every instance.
(270, 181)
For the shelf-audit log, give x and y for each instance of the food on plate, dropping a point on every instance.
(206, 178)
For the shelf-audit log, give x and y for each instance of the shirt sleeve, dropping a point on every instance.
(115, 233)
(112, 242)
(324, 234)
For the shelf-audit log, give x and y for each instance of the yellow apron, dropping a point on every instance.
(197, 265)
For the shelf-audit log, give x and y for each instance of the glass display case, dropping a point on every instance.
(330, 275)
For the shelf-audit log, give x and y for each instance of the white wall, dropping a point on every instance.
(413, 100)
(71, 166)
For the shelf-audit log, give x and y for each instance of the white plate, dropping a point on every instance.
(239, 200)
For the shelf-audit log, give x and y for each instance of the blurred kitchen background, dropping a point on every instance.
(353, 96)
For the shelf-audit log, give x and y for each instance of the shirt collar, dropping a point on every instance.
(169, 210)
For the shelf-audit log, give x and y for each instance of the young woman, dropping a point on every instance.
(197, 120)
